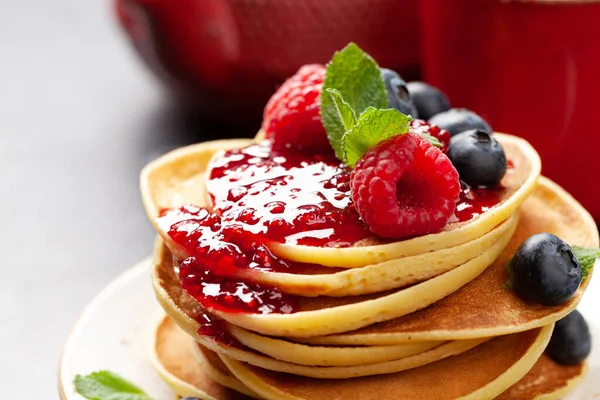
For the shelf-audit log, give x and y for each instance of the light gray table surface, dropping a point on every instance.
(79, 117)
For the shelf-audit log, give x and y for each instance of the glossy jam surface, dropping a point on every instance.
(217, 252)
(230, 294)
(216, 329)
(475, 201)
(224, 248)
(260, 196)
(286, 196)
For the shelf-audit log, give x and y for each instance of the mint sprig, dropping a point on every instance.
(373, 126)
(358, 79)
(587, 258)
(106, 385)
(345, 112)
(354, 106)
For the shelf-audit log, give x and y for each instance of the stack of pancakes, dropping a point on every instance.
(432, 317)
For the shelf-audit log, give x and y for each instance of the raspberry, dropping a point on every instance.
(291, 117)
(420, 126)
(405, 187)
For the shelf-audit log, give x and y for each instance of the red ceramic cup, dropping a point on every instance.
(531, 68)
(229, 55)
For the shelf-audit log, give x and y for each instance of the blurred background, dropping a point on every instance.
(91, 91)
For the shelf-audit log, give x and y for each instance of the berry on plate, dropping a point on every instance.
(291, 117)
(545, 270)
(397, 93)
(478, 157)
(457, 120)
(404, 187)
(570, 343)
(427, 99)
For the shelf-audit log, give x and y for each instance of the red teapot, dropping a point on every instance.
(531, 69)
(227, 56)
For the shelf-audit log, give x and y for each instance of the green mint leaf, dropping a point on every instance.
(358, 79)
(587, 258)
(106, 385)
(373, 126)
(345, 112)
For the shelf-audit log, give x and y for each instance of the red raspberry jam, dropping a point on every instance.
(259, 196)
(475, 201)
(216, 329)
(286, 196)
(230, 295)
(224, 247)
(217, 251)
(510, 167)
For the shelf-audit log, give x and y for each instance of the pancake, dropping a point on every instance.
(384, 276)
(481, 373)
(517, 186)
(447, 349)
(185, 311)
(209, 360)
(178, 178)
(174, 361)
(299, 353)
(328, 315)
(211, 363)
(249, 356)
(284, 350)
(545, 381)
(486, 306)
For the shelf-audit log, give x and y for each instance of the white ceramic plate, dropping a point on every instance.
(115, 330)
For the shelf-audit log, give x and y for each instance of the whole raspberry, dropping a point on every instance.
(291, 117)
(404, 187)
(420, 126)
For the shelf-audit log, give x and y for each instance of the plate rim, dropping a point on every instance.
(75, 330)
(124, 278)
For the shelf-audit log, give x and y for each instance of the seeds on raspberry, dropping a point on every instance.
(292, 115)
(405, 187)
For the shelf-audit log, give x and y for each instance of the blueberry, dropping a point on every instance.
(570, 343)
(428, 100)
(478, 158)
(397, 93)
(457, 120)
(545, 270)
